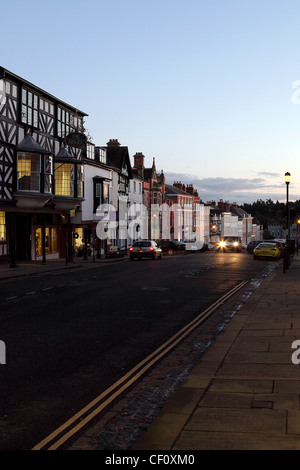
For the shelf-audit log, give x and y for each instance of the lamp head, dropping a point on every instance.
(287, 177)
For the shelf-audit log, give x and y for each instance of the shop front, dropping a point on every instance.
(51, 244)
(3, 238)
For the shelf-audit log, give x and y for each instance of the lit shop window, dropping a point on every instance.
(64, 179)
(2, 227)
(50, 241)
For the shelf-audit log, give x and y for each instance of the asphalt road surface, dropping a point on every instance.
(71, 334)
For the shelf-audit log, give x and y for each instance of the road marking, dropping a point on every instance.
(62, 434)
(47, 288)
(30, 293)
(155, 289)
(9, 298)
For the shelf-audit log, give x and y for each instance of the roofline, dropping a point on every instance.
(4, 72)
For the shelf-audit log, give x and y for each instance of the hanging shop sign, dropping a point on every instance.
(76, 139)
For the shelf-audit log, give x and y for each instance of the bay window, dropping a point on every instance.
(29, 172)
(34, 172)
(48, 174)
(79, 180)
(64, 179)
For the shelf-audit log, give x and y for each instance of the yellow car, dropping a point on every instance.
(266, 250)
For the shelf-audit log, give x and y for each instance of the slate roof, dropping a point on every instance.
(118, 157)
(239, 212)
(28, 144)
(173, 190)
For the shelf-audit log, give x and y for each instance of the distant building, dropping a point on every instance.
(276, 231)
(230, 220)
(189, 217)
(153, 194)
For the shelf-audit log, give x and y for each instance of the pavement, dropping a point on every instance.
(28, 268)
(244, 393)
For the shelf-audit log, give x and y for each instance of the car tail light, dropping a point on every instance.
(151, 248)
(131, 249)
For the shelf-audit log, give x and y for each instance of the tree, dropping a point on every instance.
(267, 212)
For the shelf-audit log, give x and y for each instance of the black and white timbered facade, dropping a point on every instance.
(41, 178)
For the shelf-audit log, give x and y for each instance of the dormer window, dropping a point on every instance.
(90, 151)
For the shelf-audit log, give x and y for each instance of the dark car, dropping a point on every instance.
(231, 244)
(252, 245)
(171, 247)
(279, 245)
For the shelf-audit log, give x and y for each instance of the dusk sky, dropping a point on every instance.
(209, 88)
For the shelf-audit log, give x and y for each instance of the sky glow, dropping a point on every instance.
(209, 88)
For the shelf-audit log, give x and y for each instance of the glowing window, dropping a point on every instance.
(29, 168)
(64, 179)
(2, 227)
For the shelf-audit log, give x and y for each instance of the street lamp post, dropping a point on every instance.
(287, 179)
(298, 223)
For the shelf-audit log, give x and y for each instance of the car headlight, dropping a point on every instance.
(222, 244)
(235, 244)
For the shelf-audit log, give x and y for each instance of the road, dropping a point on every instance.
(71, 334)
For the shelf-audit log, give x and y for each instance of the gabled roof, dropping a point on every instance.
(239, 212)
(118, 157)
(174, 191)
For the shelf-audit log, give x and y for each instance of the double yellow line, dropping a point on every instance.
(62, 434)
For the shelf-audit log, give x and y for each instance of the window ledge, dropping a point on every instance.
(31, 199)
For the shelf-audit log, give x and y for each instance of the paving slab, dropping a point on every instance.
(249, 389)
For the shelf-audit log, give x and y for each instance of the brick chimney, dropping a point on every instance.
(224, 206)
(190, 189)
(113, 143)
(139, 160)
(179, 184)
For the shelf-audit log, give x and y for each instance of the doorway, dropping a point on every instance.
(23, 237)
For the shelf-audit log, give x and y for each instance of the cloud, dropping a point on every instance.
(238, 190)
(269, 175)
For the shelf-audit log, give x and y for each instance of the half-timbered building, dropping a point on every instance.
(41, 172)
